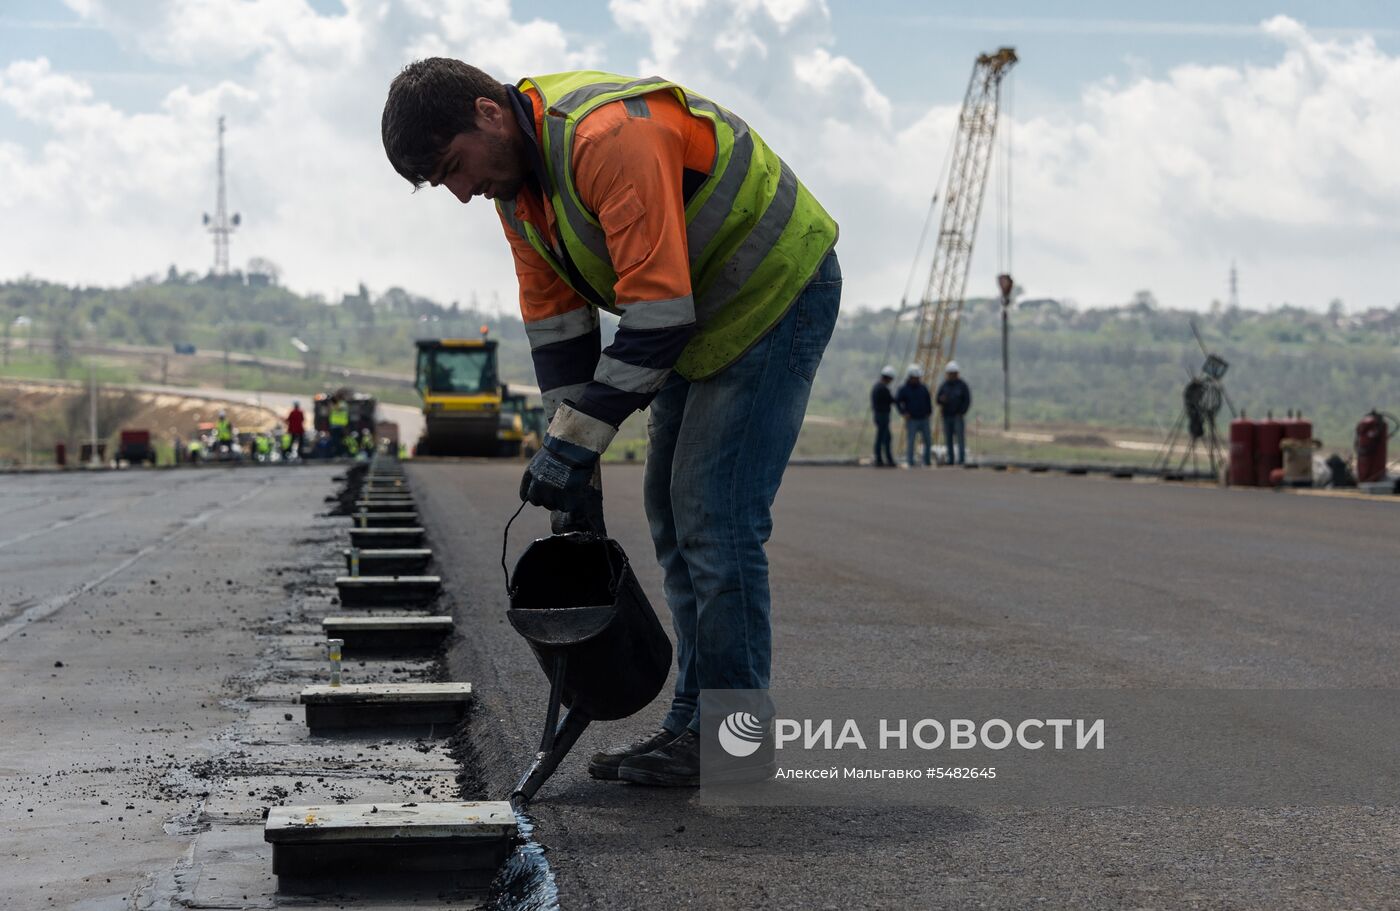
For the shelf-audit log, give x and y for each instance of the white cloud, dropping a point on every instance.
(110, 194)
(818, 109)
(1158, 182)
(769, 60)
(100, 163)
(216, 32)
(485, 33)
(33, 90)
(1154, 181)
(1161, 182)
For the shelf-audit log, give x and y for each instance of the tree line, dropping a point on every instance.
(1121, 366)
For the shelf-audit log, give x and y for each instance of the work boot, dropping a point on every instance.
(604, 764)
(673, 765)
(677, 765)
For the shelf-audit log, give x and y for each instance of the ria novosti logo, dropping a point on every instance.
(741, 734)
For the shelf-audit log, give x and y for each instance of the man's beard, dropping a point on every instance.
(506, 159)
(508, 191)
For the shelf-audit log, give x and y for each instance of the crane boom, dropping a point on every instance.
(941, 306)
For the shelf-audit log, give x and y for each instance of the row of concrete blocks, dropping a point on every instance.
(385, 563)
(438, 844)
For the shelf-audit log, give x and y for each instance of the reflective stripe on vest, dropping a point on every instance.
(561, 328)
(755, 235)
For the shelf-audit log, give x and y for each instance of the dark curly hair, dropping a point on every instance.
(429, 103)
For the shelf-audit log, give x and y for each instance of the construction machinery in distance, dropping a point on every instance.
(363, 408)
(522, 422)
(459, 383)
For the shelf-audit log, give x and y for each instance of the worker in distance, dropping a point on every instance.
(643, 198)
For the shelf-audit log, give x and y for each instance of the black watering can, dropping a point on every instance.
(577, 602)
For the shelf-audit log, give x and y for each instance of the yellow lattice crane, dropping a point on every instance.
(941, 306)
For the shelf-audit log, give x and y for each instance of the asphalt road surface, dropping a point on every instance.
(156, 625)
(953, 578)
(155, 628)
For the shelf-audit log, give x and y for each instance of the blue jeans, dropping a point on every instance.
(919, 427)
(716, 455)
(883, 454)
(953, 430)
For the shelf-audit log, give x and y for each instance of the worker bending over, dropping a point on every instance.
(643, 198)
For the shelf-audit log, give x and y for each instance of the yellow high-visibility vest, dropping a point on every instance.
(756, 235)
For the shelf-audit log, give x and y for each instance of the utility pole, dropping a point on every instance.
(221, 224)
(1006, 285)
(93, 459)
(1234, 286)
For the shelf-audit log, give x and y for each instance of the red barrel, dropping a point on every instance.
(1268, 454)
(1370, 448)
(1298, 429)
(1242, 452)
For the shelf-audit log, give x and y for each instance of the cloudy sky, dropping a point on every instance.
(1151, 144)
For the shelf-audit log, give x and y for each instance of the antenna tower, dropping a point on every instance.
(221, 224)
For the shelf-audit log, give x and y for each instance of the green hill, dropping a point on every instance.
(1125, 367)
(1115, 368)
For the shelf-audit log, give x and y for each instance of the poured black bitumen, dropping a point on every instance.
(386, 538)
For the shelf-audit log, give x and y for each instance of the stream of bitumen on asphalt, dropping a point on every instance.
(159, 624)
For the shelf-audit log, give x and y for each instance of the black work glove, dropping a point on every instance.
(558, 476)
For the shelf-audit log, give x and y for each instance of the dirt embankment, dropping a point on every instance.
(35, 415)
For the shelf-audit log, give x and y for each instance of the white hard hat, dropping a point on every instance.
(887, 370)
(951, 368)
(915, 370)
